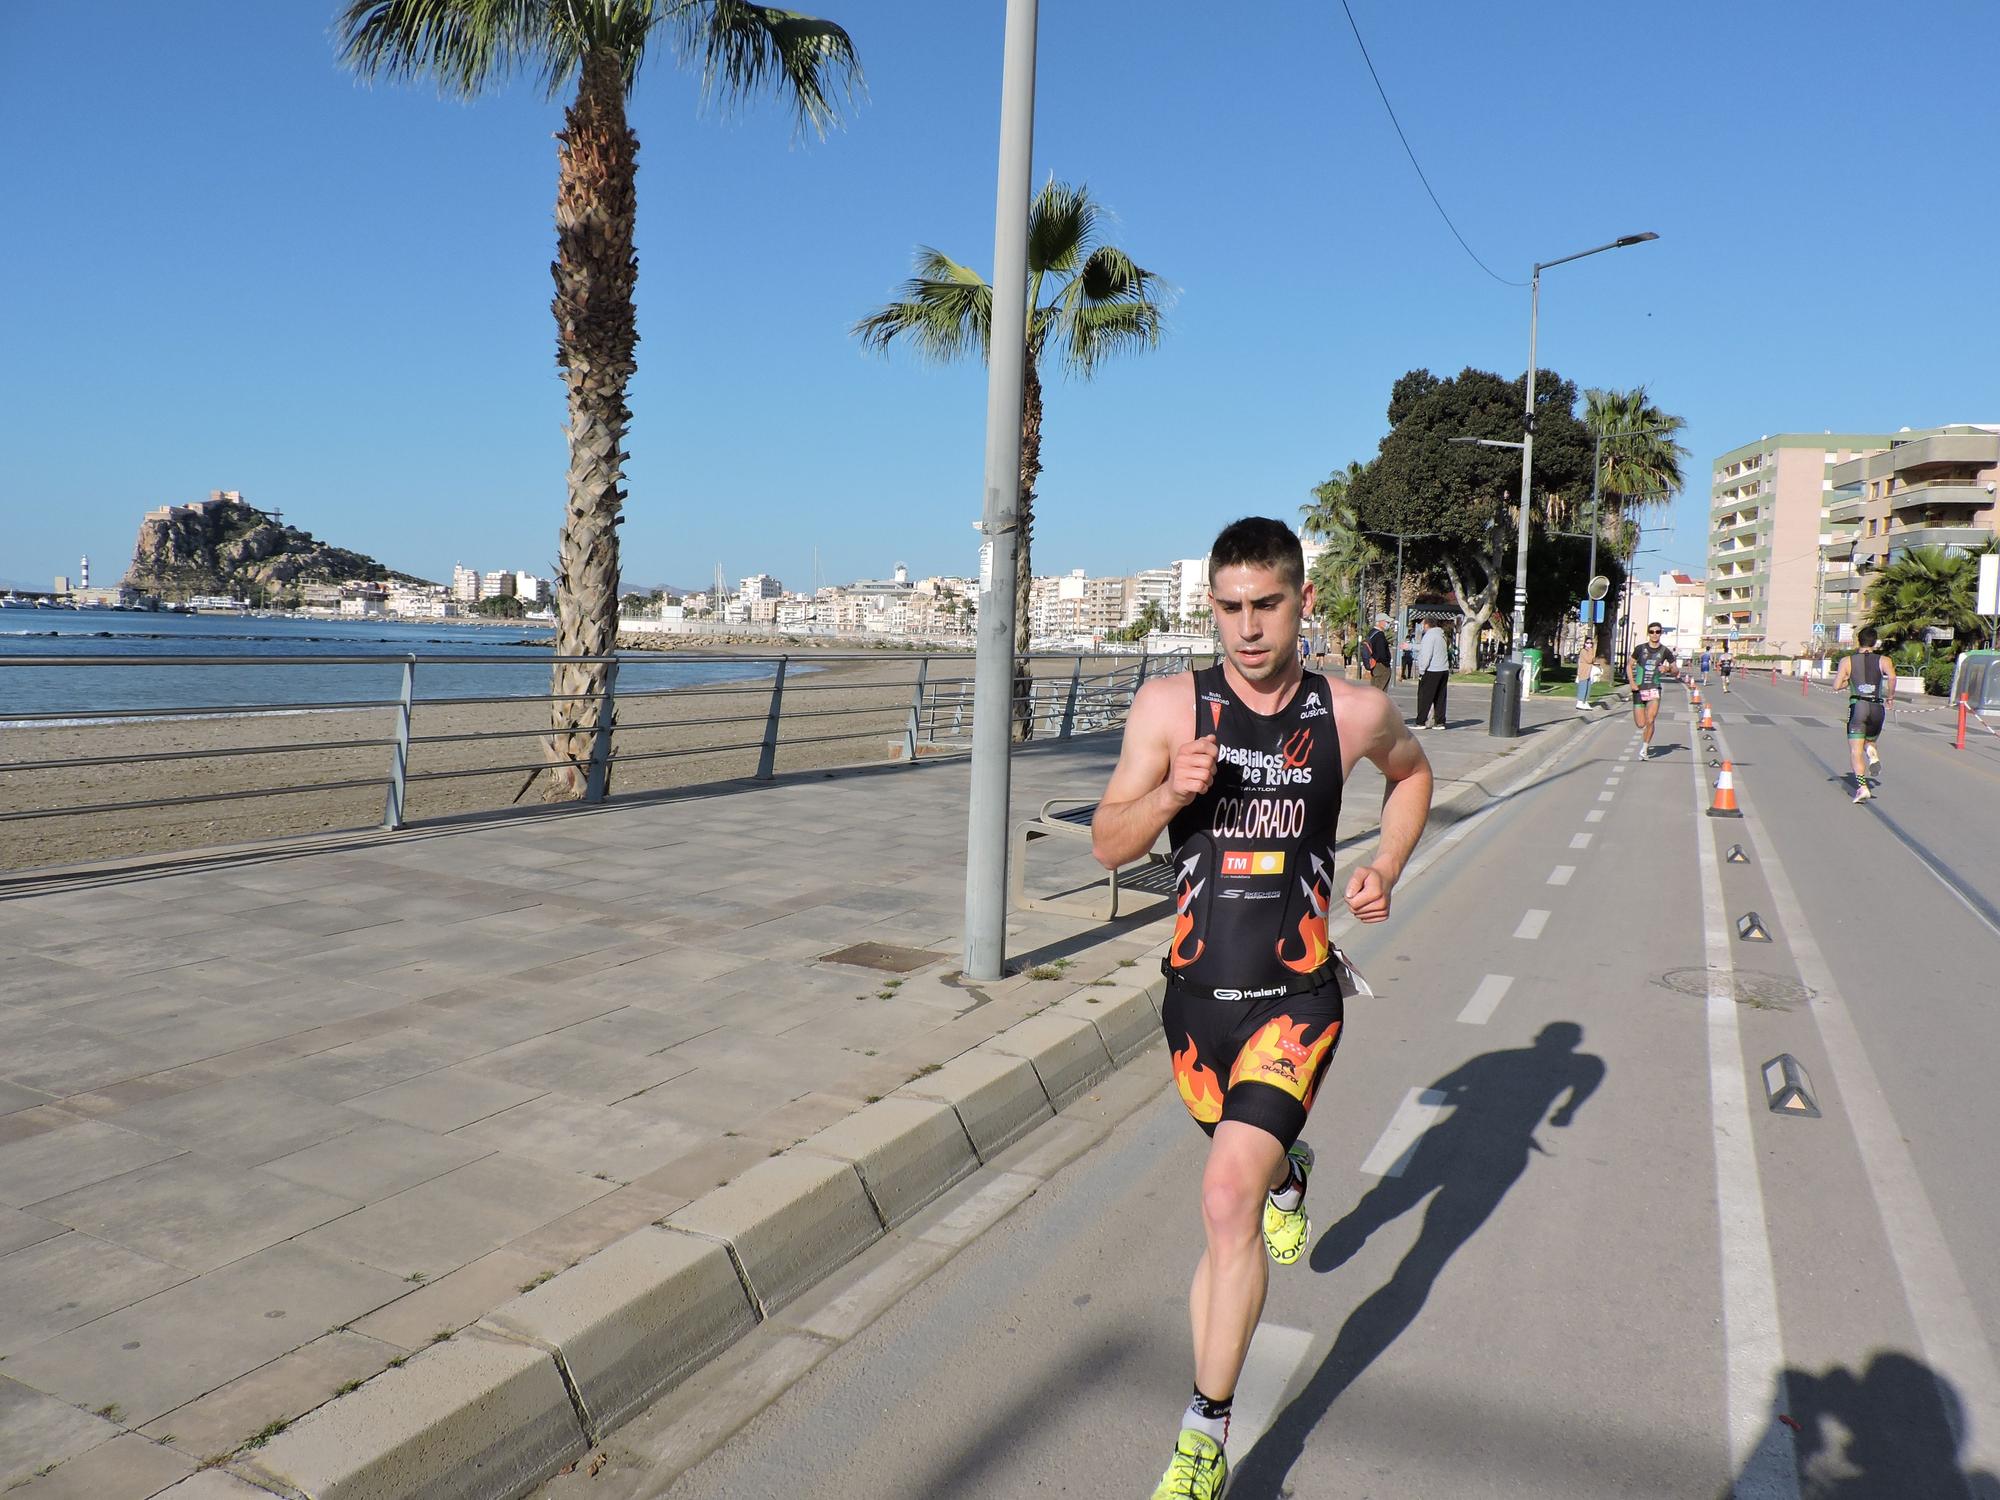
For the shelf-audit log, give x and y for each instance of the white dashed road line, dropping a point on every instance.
(1580, 840)
(1392, 1153)
(1560, 874)
(1492, 990)
(1606, 796)
(1532, 924)
(1595, 815)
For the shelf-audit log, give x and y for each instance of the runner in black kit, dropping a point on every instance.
(1244, 762)
(1870, 680)
(1650, 663)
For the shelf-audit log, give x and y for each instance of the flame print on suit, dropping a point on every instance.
(1278, 1055)
(1312, 926)
(1184, 916)
(1298, 748)
(1199, 1090)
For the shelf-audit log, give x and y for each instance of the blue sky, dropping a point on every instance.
(229, 265)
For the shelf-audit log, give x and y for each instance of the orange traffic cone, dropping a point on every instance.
(1707, 718)
(1725, 794)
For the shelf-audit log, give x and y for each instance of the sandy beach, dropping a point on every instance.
(843, 711)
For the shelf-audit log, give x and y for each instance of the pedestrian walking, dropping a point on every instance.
(1586, 660)
(1375, 653)
(1242, 764)
(1409, 652)
(1433, 674)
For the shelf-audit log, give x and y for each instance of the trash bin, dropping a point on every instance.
(1504, 717)
(1531, 670)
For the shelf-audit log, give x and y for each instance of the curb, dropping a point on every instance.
(477, 1418)
(538, 1381)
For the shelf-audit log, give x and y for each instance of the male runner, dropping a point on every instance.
(1870, 680)
(1244, 763)
(1726, 665)
(1707, 662)
(1650, 662)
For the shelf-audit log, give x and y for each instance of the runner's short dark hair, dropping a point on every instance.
(1868, 636)
(1259, 542)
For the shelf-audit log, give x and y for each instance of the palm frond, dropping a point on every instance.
(1111, 306)
(743, 48)
(465, 45)
(944, 311)
(1062, 227)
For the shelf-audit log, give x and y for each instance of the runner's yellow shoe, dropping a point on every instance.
(1199, 1470)
(1287, 1231)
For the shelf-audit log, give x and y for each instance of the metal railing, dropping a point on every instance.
(909, 704)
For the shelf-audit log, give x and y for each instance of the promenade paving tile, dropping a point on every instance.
(267, 1122)
(192, 1214)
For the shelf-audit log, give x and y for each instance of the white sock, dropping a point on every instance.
(1210, 1417)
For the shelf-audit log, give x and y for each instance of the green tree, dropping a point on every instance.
(599, 46)
(1923, 587)
(501, 607)
(1465, 495)
(1086, 302)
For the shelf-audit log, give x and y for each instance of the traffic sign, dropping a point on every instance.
(1819, 627)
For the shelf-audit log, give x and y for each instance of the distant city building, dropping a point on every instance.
(760, 586)
(1190, 587)
(1930, 487)
(62, 583)
(1674, 601)
(1768, 507)
(464, 584)
(499, 584)
(532, 591)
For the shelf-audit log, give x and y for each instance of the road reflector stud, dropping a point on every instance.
(1750, 928)
(1736, 856)
(1788, 1088)
(1725, 794)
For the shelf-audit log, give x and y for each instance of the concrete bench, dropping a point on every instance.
(1068, 819)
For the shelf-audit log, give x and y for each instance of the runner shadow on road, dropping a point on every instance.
(1889, 1433)
(1468, 1160)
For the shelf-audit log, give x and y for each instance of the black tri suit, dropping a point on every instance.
(1255, 990)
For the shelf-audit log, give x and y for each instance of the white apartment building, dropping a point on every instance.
(1153, 586)
(531, 590)
(1675, 602)
(1190, 588)
(499, 584)
(760, 586)
(464, 584)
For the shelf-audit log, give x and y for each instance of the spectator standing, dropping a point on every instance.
(1409, 651)
(1375, 653)
(1586, 659)
(1433, 673)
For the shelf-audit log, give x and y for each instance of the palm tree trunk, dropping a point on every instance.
(1024, 570)
(596, 334)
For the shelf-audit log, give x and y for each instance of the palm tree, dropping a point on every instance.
(1338, 571)
(1086, 302)
(1641, 450)
(1923, 587)
(1642, 457)
(465, 46)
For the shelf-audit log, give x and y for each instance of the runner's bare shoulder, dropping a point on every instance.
(1163, 709)
(1360, 710)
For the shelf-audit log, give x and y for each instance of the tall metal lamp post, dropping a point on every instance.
(993, 670)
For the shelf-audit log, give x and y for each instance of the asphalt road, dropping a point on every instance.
(1564, 1247)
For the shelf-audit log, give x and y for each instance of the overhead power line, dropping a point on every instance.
(1413, 155)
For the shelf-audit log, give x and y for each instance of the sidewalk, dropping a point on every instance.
(273, 1122)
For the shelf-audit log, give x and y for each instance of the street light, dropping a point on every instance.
(1402, 615)
(1512, 720)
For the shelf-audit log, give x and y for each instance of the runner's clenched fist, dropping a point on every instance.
(1193, 770)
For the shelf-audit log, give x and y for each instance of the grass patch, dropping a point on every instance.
(265, 1433)
(529, 1286)
(347, 1388)
(1128, 963)
(416, 1276)
(398, 1362)
(443, 1335)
